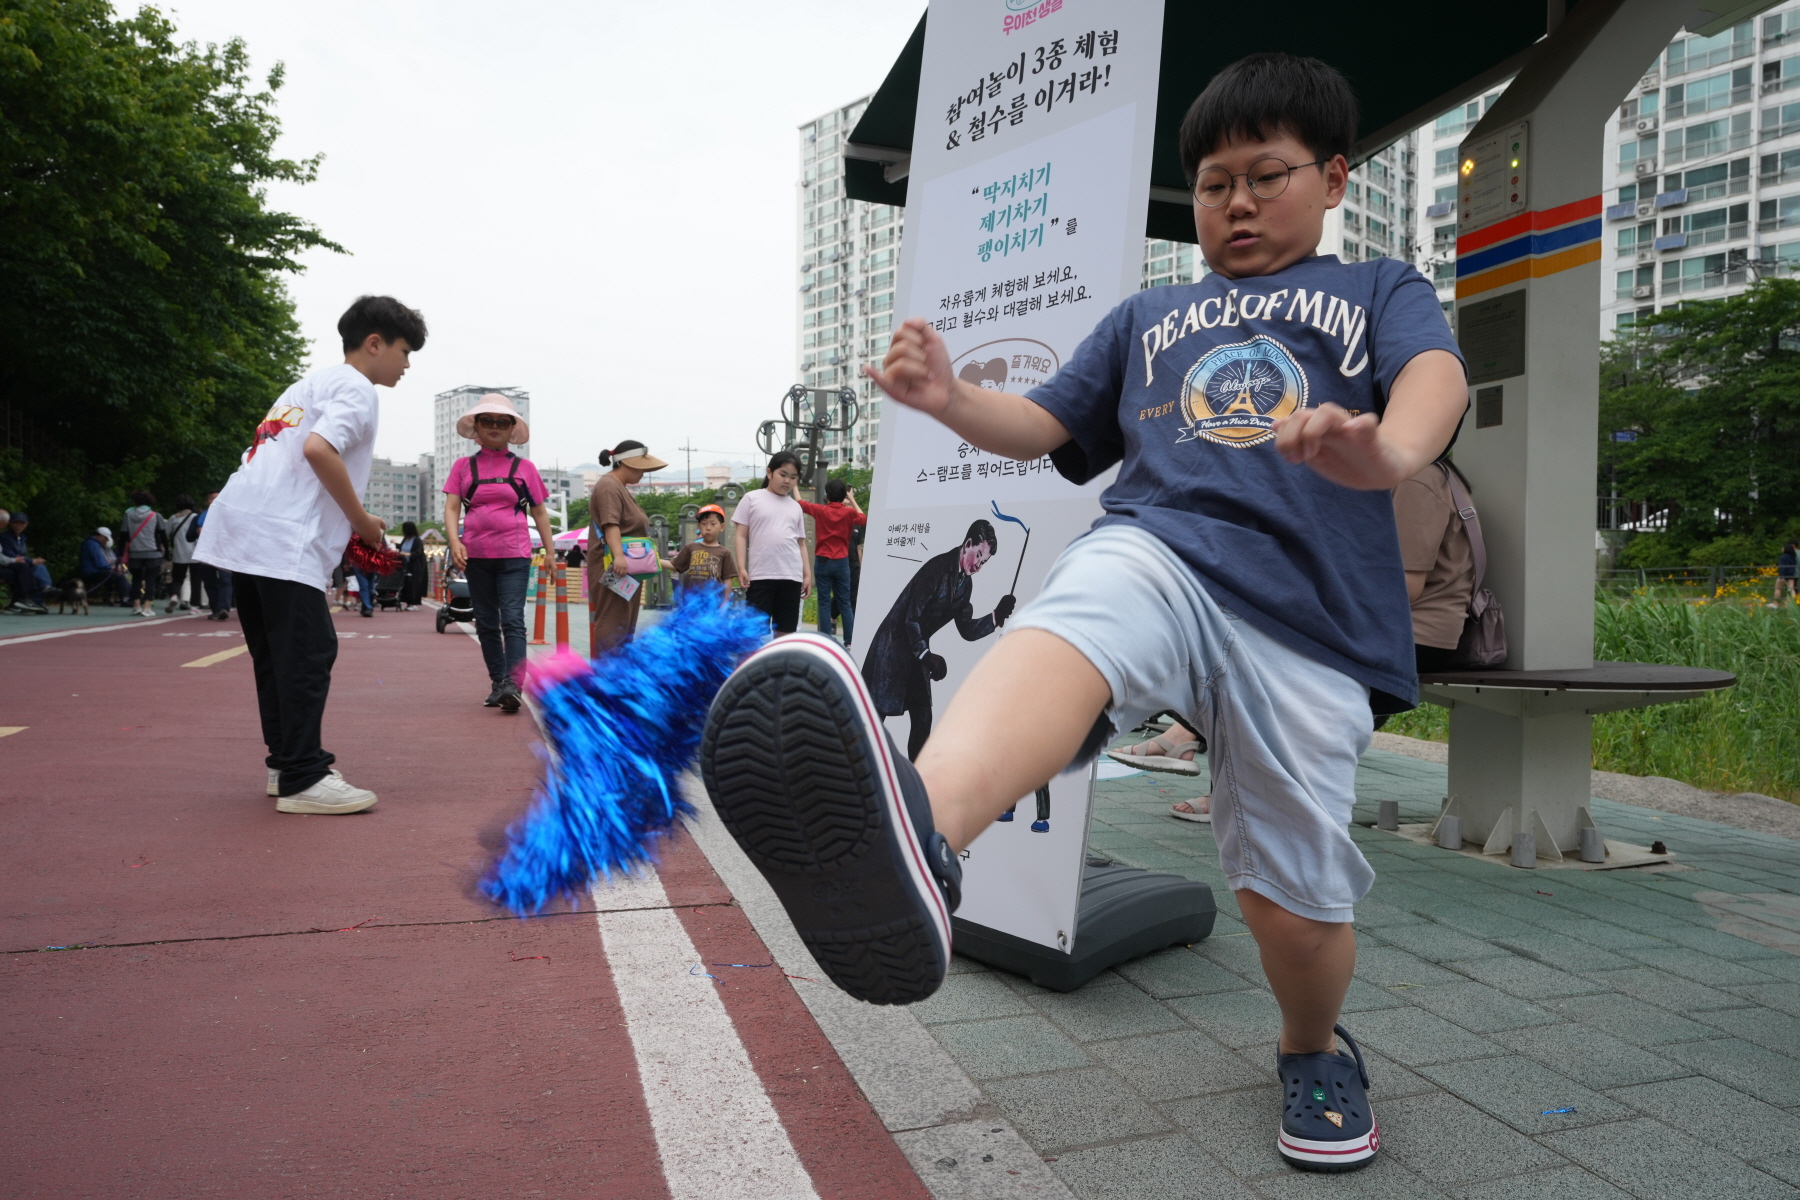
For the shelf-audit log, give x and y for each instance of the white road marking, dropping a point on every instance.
(716, 1128)
(125, 624)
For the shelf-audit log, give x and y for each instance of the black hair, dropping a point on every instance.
(143, 499)
(1261, 96)
(981, 531)
(608, 457)
(409, 529)
(780, 459)
(713, 515)
(381, 315)
(183, 501)
(836, 489)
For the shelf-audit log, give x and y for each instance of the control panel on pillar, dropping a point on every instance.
(1491, 178)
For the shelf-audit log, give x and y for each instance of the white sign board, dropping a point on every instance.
(1025, 214)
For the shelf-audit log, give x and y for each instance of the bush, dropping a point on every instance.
(1742, 739)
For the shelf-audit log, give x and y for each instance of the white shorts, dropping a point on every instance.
(1283, 732)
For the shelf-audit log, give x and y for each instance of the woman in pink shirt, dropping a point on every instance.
(493, 548)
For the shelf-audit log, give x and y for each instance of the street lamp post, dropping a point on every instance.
(806, 418)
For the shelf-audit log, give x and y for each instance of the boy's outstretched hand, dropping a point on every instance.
(916, 371)
(1425, 404)
(1344, 449)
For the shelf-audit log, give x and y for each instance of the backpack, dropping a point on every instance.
(510, 478)
(1483, 641)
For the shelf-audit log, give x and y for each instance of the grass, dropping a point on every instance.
(1742, 739)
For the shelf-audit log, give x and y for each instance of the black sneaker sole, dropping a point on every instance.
(801, 772)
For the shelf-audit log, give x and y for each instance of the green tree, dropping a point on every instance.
(1712, 389)
(144, 328)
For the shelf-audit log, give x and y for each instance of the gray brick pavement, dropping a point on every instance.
(1484, 996)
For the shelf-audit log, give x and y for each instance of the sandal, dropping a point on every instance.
(1184, 810)
(1159, 753)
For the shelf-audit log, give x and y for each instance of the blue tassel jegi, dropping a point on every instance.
(621, 729)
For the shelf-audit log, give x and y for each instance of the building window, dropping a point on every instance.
(1444, 163)
(1444, 195)
(1444, 273)
(1628, 194)
(1701, 271)
(1713, 92)
(1711, 182)
(1699, 53)
(1780, 121)
(1630, 151)
(1780, 168)
(1780, 28)
(1783, 213)
(1714, 137)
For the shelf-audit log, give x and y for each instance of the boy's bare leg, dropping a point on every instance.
(1308, 964)
(1031, 673)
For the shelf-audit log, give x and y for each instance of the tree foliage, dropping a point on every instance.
(1712, 390)
(143, 324)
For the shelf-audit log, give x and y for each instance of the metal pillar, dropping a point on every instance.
(1529, 258)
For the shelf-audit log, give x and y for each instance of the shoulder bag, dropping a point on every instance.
(1483, 641)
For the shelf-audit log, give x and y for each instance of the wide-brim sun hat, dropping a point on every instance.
(500, 406)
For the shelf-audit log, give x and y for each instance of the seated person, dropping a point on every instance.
(24, 574)
(99, 569)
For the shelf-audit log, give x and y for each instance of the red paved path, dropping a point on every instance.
(243, 1055)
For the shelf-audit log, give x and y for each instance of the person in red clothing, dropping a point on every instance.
(832, 523)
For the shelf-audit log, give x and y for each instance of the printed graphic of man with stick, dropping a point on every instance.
(901, 666)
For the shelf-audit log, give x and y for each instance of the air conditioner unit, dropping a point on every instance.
(1646, 207)
(1645, 166)
(1648, 81)
(1646, 256)
(1643, 291)
(1646, 125)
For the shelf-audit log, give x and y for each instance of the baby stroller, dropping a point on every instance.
(458, 607)
(387, 587)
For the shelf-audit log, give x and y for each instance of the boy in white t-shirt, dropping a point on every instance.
(281, 525)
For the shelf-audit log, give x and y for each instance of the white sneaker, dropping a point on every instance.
(332, 794)
(274, 781)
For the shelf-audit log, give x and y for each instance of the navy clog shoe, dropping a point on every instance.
(1326, 1122)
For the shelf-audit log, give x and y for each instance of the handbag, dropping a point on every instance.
(1483, 641)
(640, 556)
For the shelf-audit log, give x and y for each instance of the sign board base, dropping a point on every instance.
(1125, 913)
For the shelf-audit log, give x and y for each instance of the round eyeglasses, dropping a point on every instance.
(494, 422)
(1267, 179)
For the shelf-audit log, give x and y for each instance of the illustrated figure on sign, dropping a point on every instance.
(990, 374)
(1042, 824)
(901, 666)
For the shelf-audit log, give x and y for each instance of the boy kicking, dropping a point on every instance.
(1245, 574)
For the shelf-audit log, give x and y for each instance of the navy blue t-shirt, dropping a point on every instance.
(1183, 385)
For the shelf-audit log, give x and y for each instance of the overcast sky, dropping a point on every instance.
(592, 201)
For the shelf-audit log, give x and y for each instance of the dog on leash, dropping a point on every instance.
(71, 597)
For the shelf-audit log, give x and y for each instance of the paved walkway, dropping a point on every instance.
(1660, 1008)
(204, 997)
